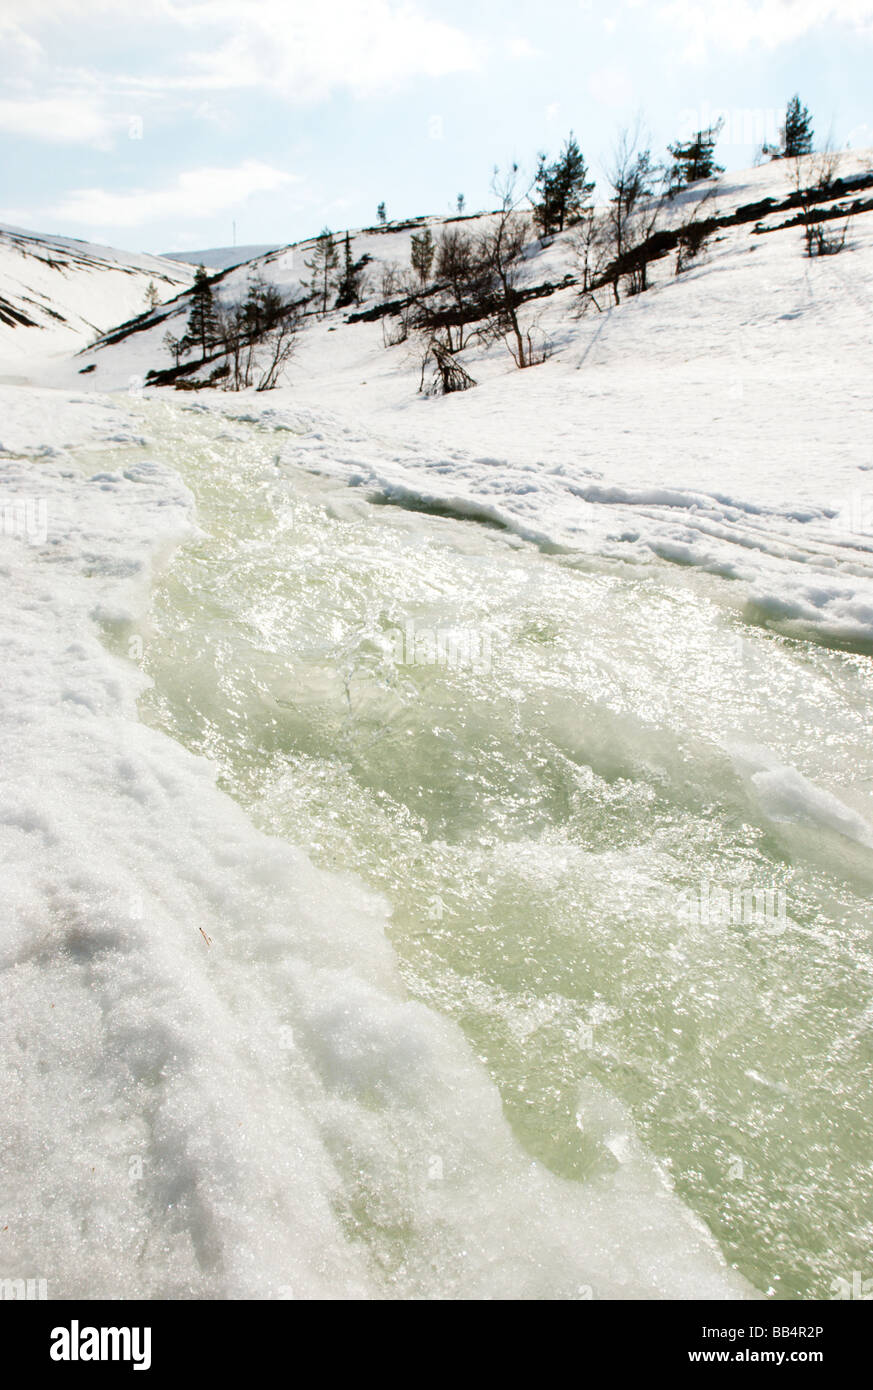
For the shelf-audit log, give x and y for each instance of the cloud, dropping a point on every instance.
(192, 51)
(738, 24)
(198, 191)
(73, 119)
(299, 49)
(305, 51)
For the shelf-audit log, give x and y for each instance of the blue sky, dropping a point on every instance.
(156, 125)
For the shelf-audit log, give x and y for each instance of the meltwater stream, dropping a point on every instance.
(623, 837)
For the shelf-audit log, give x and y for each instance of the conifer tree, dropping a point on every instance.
(349, 284)
(422, 253)
(202, 329)
(563, 190)
(695, 159)
(382, 215)
(462, 203)
(796, 133)
(262, 308)
(323, 265)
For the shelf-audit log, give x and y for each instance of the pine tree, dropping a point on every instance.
(796, 133)
(153, 297)
(202, 329)
(696, 158)
(462, 203)
(382, 215)
(422, 253)
(562, 188)
(323, 264)
(349, 285)
(262, 308)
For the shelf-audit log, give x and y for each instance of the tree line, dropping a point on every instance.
(464, 286)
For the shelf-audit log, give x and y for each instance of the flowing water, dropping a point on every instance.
(586, 792)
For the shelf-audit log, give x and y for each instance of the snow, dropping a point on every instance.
(185, 992)
(785, 795)
(219, 257)
(69, 292)
(718, 421)
(229, 1019)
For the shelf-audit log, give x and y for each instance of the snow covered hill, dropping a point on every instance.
(58, 294)
(219, 257)
(718, 420)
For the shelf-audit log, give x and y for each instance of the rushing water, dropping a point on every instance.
(595, 860)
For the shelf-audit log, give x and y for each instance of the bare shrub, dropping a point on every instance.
(814, 177)
(447, 374)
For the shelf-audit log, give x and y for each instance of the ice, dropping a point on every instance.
(216, 1079)
(214, 1083)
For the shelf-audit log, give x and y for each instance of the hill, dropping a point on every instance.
(667, 426)
(57, 294)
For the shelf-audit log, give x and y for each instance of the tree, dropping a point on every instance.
(694, 235)
(458, 267)
(202, 329)
(323, 265)
(461, 204)
(238, 344)
(153, 297)
(257, 346)
(350, 284)
(382, 215)
(590, 245)
(263, 306)
(563, 190)
(422, 254)
(176, 347)
(796, 133)
(280, 342)
(448, 375)
(695, 159)
(632, 212)
(500, 252)
(813, 176)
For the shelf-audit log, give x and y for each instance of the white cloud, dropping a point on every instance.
(305, 50)
(74, 119)
(298, 50)
(198, 191)
(738, 24)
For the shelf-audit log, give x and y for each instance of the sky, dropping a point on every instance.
(175, 125)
